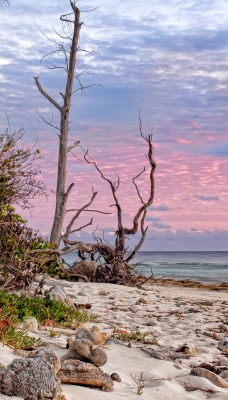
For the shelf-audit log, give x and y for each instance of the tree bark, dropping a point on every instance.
(61, 193)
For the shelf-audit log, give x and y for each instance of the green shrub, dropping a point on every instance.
(133, 335)
(18, 307)
(18, 339)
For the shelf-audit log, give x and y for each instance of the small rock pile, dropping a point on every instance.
(81, 364)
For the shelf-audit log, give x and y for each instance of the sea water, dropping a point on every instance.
(202, 266)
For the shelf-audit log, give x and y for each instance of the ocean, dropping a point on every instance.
(202, 266)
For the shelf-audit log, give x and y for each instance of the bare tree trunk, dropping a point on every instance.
(61, 194)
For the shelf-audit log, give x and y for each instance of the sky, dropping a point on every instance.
(166, 58)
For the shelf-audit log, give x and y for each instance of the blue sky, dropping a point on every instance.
(168, 59)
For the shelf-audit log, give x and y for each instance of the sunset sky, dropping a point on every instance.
(168, 58)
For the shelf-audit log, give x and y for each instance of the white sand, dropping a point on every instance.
(174, 316)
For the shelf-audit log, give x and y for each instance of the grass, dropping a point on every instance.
(18, 339)
(16, 308)
(135, 335)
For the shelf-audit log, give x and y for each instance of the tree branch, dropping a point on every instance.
(96, 211)
(72, 146)
(69, 227)
(46, 95)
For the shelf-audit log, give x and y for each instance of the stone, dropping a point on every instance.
(94, 334)
(58, 293)
(33, 377)
(84, 350)
(223, 345)
(81, 373)
(224, 374)
(85, 268)
(30, 324)
(153, 353)
(188, 349)
(103, 292)
(142, 301)
(115, 377)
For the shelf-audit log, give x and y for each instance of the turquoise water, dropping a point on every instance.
(203, 266)
(200, 266)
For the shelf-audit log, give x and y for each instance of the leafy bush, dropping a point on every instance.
(19, 184)
(18, 307)
(18, 262)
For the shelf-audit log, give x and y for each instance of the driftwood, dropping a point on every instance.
(205, 373)
(80, 373)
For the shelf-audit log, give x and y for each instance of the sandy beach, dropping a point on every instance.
(190, 320)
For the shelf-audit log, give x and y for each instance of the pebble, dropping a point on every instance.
(223, 345)
(142, 301)
(103, 292)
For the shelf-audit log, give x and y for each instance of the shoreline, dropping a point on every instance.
(190, 284)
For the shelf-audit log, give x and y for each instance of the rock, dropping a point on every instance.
(103, 292)
(69, 341)
(30, 324)
(223, 345)
(33, 377)
(81, 373)
(142, 301)
(224, 374)
(115, 377)
(81, 294)
(51, 323)
(86, 306)
(153, 353)
(94, 334)
(188, 349)
(85, 268)
(58, 293)
(150, 323)
(84, 350)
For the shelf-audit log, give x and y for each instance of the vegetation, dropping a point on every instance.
(19, 184)
(18, 339)
(135, 335)
(19, 172)
(18, 307)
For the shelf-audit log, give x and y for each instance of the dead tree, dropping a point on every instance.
(119, 269)
(71, 21)
(115, 267)
(116, 258)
